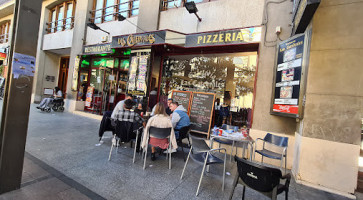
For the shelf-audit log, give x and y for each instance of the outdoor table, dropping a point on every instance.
(235, 137)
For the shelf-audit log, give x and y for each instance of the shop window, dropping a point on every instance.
(4, 32)
(108, 10)
(167, 4)
(230, 76)
(61, 17)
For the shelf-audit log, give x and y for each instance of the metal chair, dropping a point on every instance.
(227, 142)
(160, 133)
(277, 141)
(124, 132)
(183, 133)
(201, 153)
(265, 180)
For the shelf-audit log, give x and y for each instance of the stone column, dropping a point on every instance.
(79, 36)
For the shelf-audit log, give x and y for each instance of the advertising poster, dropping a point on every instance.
(23, 65)
(89, 96)
(75, 74)
(132, 73)
(141, 78)
(288, 77)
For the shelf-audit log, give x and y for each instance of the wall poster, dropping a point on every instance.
(89, 96)
(138, 75)
(289, 76)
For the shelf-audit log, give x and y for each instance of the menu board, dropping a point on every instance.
(201, 112)
(182, 97)
(288, 77)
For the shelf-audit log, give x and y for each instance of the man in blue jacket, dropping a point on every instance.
(179, 118)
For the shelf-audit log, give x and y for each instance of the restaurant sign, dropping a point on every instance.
(142, 39)
(97, 49)
(303, 14)
(235, 36)
(289, 77)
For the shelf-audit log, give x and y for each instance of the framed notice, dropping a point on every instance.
(183, 98)
(201, 111)
(290, 76)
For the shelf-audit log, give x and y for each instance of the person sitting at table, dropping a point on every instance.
(127, 115)
(120, 105)
(140, 109)
(167, 108)
(159, 120)
(179, 118)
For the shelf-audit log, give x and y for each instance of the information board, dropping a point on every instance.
(183, 98)
(201, 112)
(288, 77)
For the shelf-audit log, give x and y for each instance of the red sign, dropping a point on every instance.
(2, 55)
(285, 109)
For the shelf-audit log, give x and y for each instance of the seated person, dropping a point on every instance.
(126, 115)
(46, 101)
(159, 120)
(140, 109)
(179, 117)
(120, 105)
(167, 109)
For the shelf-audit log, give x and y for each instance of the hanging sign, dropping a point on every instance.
(304, 12)
(142, 39)
(97, 49)
(235, 36)
(286, 100)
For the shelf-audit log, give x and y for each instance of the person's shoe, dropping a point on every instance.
(168, 151)
(38, 107)
(153, 157)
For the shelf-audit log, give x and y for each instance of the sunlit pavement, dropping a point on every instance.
(63, 162)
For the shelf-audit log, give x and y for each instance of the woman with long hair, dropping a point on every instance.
(159, 120)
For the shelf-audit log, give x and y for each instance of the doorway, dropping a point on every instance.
(63, 74)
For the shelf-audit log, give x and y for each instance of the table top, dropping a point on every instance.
(235, 136)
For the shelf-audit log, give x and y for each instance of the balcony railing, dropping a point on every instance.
(4, 38)
(60, 25)
(110, 13)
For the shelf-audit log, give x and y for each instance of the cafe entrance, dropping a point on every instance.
(102, 82)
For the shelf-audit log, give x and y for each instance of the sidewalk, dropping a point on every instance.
(62, 162)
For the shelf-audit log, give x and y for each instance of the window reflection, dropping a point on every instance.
(232, 74)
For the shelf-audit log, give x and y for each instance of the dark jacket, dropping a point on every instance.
(106, 124)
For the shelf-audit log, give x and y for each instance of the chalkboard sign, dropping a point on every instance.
(201, 112)
(183, 98)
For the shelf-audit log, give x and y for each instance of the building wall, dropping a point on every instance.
(216, 15)
(3, 19)
(58, 40)
(114, 27)
(330, 140)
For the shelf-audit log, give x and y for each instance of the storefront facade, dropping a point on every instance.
(206, 56)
